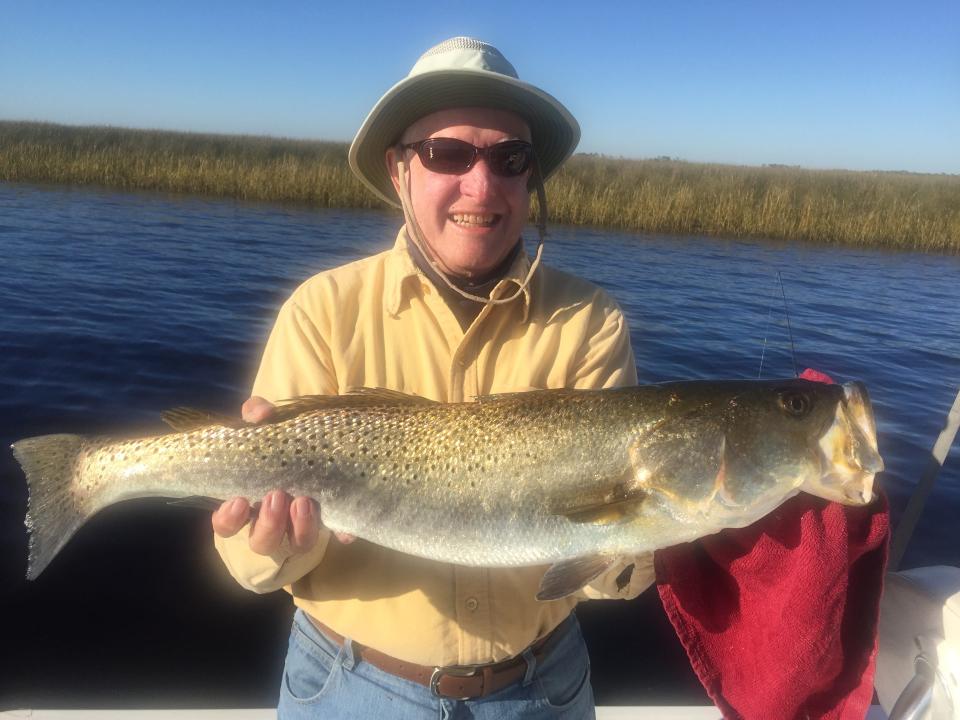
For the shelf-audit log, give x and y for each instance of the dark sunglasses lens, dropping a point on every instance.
(510, 158)
(446, 156)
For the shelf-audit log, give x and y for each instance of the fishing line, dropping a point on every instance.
(766, 330)
(786, 314)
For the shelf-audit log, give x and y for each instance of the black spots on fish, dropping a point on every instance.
(310, 463)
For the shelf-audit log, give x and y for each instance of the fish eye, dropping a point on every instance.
(795, 403)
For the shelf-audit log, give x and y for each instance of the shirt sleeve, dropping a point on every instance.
(607, 360)
(296, 361)
(606, 357)
(266, 573)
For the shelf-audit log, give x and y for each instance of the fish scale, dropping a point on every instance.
(568, 478)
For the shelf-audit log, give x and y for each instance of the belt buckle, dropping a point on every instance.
(438, 672)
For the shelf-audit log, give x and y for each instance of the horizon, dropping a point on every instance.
(578, 152)
(863, 87)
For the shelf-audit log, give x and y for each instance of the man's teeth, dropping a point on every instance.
(472, 219)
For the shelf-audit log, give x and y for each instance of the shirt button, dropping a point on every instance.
(472, 604)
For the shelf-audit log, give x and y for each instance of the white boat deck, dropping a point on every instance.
(603, 713)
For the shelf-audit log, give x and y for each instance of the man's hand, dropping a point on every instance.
(278, 514)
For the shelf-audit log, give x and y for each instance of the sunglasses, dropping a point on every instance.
(454, 157)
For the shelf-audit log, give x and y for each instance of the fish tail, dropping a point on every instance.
(53, 514)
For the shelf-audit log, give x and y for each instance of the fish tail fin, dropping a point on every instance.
(53, 514)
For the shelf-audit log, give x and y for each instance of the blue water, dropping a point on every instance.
(116, 306)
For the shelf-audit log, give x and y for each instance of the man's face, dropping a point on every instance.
(471, 221)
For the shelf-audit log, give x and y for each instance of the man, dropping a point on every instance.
(454, 311)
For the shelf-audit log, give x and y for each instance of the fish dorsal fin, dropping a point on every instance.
(185, 419)
(383, 395)
(360, 397)
(534, 394)
(568, 576)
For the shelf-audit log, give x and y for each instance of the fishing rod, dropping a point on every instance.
(904, 531)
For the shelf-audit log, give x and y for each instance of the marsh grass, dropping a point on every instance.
(240, 166)
(888, 209)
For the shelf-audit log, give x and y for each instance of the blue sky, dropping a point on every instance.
(860, 85)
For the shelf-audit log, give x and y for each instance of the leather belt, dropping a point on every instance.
(459, 682)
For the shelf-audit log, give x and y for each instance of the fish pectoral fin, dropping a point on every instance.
(568, 576)
(604, 505)
(201, 502)
(185, 419)
(605, 513)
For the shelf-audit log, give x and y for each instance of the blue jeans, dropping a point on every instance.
(323, 680)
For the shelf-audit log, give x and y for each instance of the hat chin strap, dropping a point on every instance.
(416, 234)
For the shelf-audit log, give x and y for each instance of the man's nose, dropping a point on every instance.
(478, 181)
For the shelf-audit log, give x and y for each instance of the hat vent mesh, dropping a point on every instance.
(462, 43)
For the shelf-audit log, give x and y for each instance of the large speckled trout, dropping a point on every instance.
(569, 478)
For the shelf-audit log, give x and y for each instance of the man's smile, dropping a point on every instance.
(469, 220)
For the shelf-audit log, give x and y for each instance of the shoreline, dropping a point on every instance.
(893, 210)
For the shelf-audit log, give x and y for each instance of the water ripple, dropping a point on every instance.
(118, 305)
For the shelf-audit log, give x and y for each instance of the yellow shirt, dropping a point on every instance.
(379, 322)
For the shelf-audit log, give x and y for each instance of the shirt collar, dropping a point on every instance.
(401, 271)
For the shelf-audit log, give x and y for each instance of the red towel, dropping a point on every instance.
(779, 619)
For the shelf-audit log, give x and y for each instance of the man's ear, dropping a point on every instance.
(391, 159)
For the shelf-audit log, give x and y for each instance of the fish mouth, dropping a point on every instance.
(849, 455)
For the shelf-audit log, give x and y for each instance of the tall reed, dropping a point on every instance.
(240, 166)
(887, 209)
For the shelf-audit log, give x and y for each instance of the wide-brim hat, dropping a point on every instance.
(460, 72)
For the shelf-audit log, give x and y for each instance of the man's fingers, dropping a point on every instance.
(304, 524)
(345, 538)
(256, 409)
(230, 517)
(271, 523)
